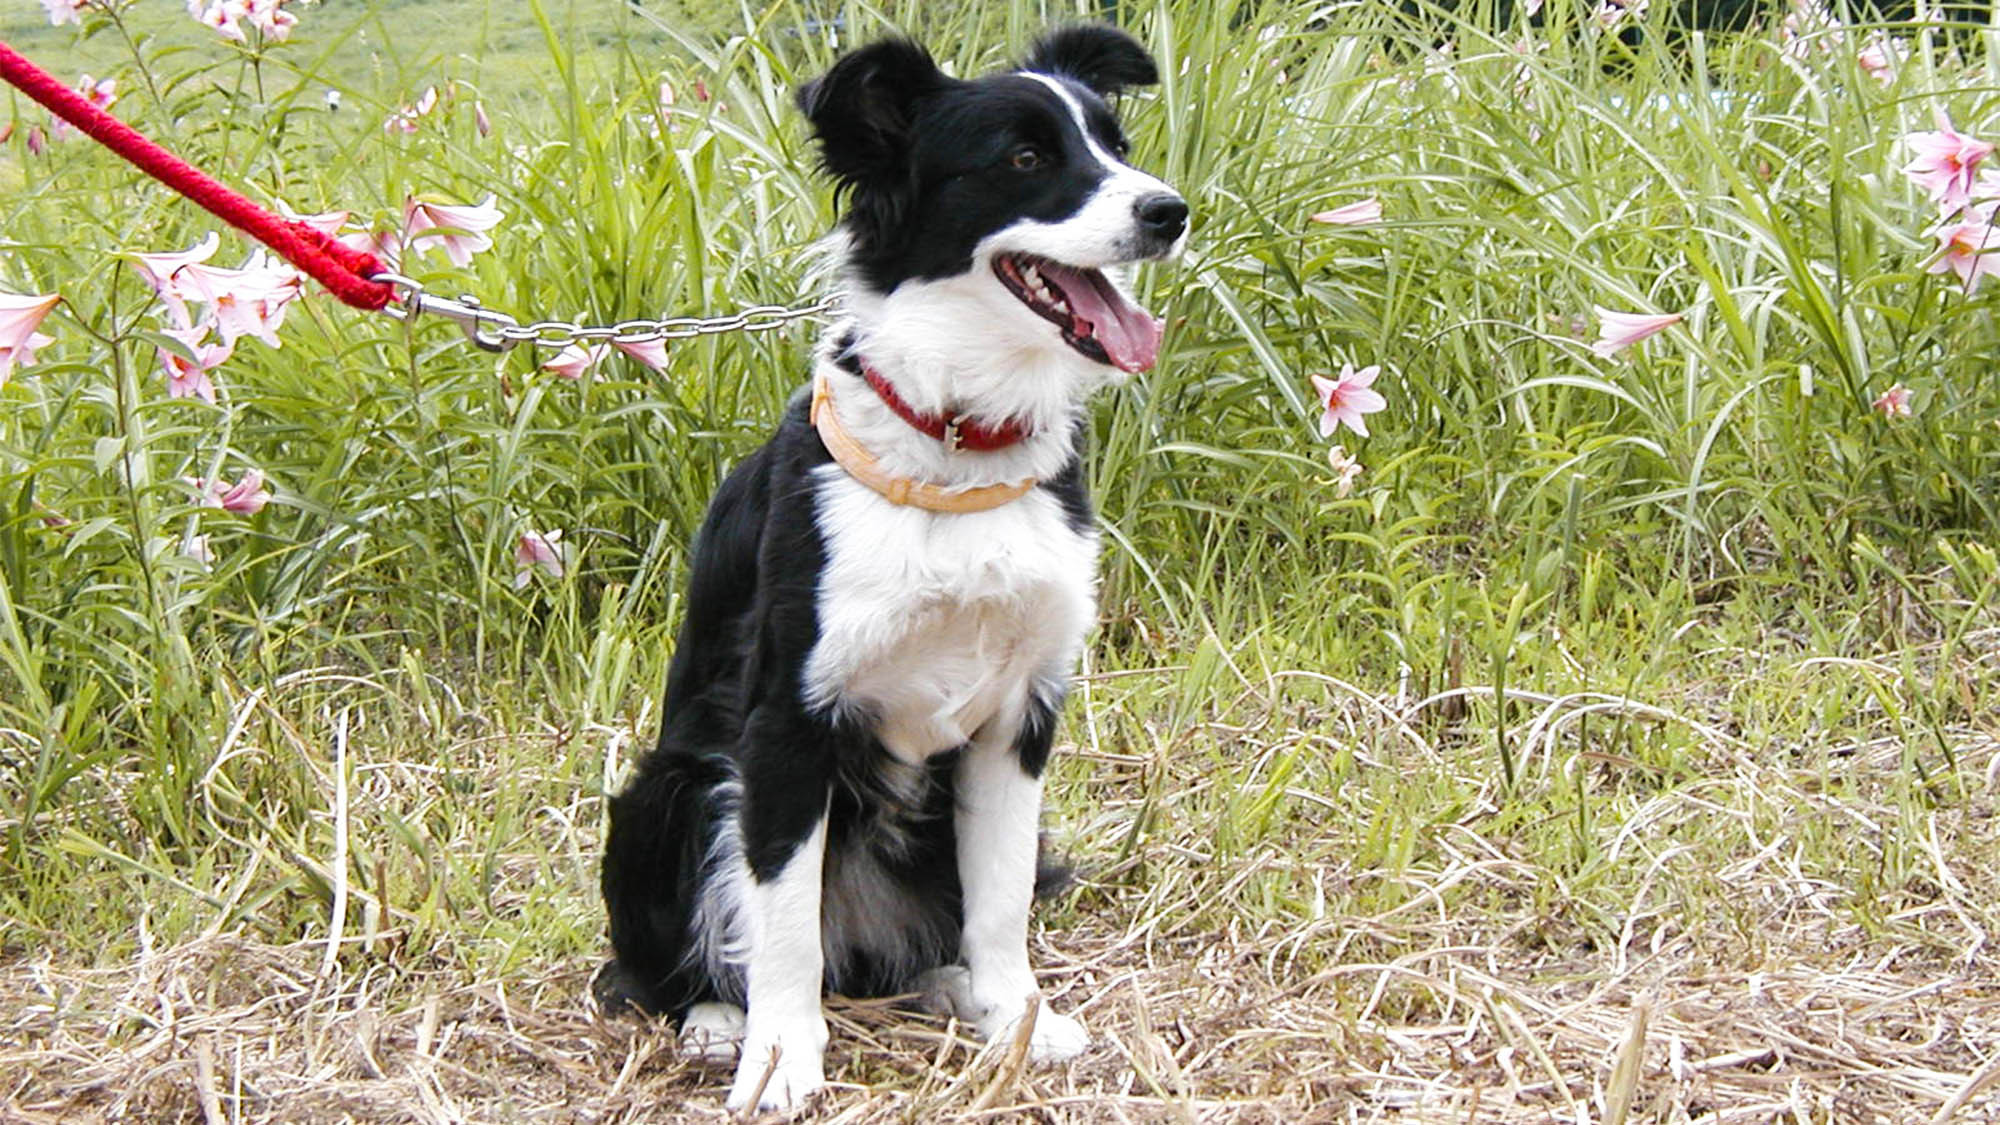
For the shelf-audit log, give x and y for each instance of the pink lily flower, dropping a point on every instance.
(37, 140)
(327, 223)
(651, 351)
(159, 270)
(221, 17)
(1968, 246)
(246, 497)
(20, 315)
(460, 228)
(1809, 27)
(1348, 398)
(538, 550)
(1352, 214)
(1894, 402)
(574, 361)
(1879, 59)
(405, 119)
(98, 92)
(188, 378)
(386, 244)
(479, 119)
(1617, 331)
(257, 306)
(1947, 163)
(242, 302)
(382, 245)
(1610, 13)
(661, 120)
(1985, 190)
(271, 20)
(65, 11)
(196, 548)
(1346, 469)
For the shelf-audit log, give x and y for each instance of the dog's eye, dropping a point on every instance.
(1121, 148)
(1027, 158)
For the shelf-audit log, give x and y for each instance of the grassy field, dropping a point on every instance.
(1622, 746)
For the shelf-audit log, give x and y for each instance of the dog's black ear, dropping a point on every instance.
(1101, 57)
(862, 109)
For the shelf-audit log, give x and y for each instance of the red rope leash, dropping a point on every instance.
(342, 270)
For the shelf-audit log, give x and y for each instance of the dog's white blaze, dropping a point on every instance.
(1104, 231)
(785, 968)
(936, 624)
(1075, 107)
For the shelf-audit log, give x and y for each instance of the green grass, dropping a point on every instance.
(1603, 632)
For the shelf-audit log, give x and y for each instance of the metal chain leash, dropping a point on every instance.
(496, 331)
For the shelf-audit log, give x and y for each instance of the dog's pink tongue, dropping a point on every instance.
(1129, 334)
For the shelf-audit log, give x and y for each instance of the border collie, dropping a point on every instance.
(886, 600)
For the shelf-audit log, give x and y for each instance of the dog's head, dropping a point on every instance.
(1011, 191)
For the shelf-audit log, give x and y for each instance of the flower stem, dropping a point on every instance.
(131, 434)
(117, 17)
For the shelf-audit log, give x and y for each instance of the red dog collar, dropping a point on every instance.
(956, 431)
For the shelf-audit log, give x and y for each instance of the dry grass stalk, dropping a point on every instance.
(1266, 978)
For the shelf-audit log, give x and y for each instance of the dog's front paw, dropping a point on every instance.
(779, 1068)
(1056, 1038)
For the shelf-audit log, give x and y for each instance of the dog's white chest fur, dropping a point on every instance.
(932, 624)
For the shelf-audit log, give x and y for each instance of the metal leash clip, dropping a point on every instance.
(484, 327)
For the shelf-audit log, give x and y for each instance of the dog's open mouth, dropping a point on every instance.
(1095, 318)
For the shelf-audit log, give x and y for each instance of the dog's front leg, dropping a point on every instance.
(784, 1031)
(999, 792)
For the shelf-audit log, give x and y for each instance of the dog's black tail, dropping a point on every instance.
(662, 828)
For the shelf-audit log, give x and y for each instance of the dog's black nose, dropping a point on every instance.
(1164, 215)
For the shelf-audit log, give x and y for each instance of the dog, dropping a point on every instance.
(886, 600)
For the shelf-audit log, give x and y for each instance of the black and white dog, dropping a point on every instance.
(887, 599)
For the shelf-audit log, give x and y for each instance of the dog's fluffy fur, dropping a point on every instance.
(846, 789)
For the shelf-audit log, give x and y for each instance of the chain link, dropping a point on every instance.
(496, 331)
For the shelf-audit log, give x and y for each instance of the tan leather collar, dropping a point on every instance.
(862, 466)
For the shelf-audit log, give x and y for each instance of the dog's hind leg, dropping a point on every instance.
(662, 830)
(999, 790)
